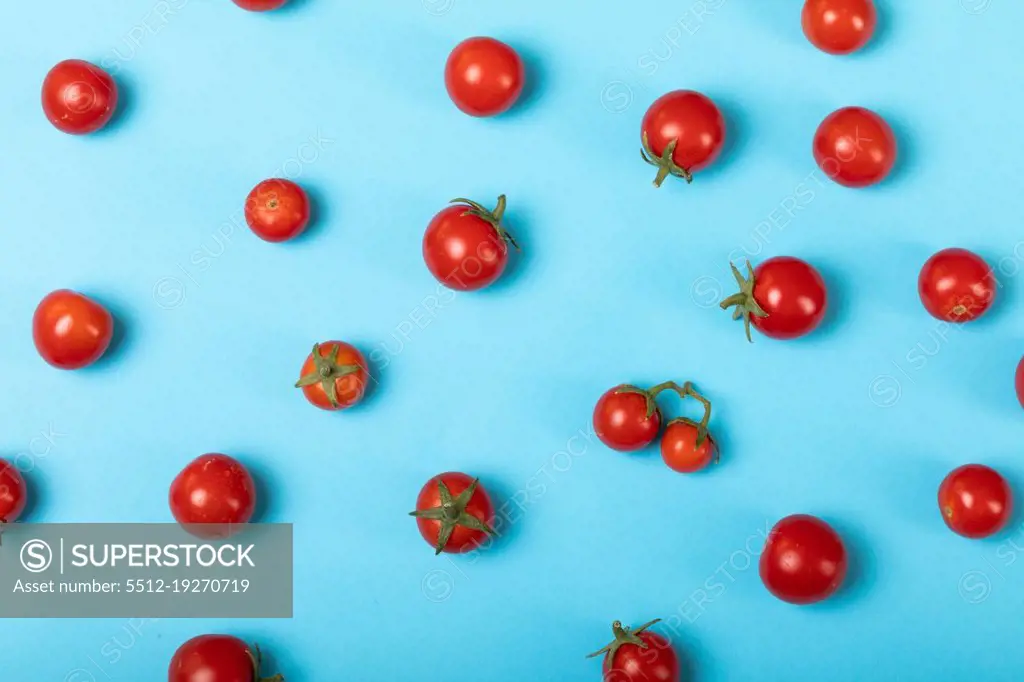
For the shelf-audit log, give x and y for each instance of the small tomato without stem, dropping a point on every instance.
(839, 26)
(13, 493)
(484, 76)
(975, 501)
(213, 496)
(1019, 381)
(454, 513)
(638, 655)
(260, 5)
(277, 210)
(334, 376)
(804, 560)
(217, 658)
(855, 147)
(682, 133)
(70, 330)
(956, 285)
(465, 246)
(784, 298)
(78, 97)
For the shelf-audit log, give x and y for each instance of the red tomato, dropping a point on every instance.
(679, 447)
(277, 210)
(975, 501)
(804, 560)
(13, 492)
(334, 376)
(466, 247)
(213, 496)
(682, 132)
(855, 147)
(484, 76)
(79, 97)
(217, 658)
(454, 514)
(956, 285)
(260, 5)
(839, 26)
(784, 298)
(639, 656)
(70, 330)
(1020, 382)
(626, 418)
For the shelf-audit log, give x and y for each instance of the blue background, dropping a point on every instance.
(618, 282)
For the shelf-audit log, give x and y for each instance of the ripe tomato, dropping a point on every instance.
(484, 76)
(784, 298)
(277, 210)
(454, 514)
(465, 246)
(217, 658)
(260, 5)
(334, 376)
(680, 449)
(70, 330)
(855, 147)
(839, 26)
(78, 97)
(1020, 382)
(956, 285)
(682, 132)
(627, 418)
(639, 656)
(13, 492)
(804, 560)
(213, 496)
(975, 501)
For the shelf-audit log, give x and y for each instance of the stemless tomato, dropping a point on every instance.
(956, 285)
(213, 496)
(682, 132)
(638, 656)
(465, 246)
(334, 376)
(804, 560)
(975, 501)
(13, 492)
(855, 147)
(626, 418)
(680, 450)
(839, 26)
(70, 330)
(260, 5)
(1020, 382)
(277, 210)
(217, 658)
(79, 97)
(484, 76)
(784, 298)
(453, 513)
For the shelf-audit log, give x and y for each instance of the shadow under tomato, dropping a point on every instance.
(120, 340)
(263, 481)
(519, 261)
(860, 574)
(509, 515)
(126, 103)
(292, 7)
(319, 214)
(736, 127)
(36, 492)
(535, 82)
(375, 371)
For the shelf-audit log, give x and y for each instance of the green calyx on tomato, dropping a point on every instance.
(746, 304)
(651, 394)
(664, 163)
(493, 217)
(702, 426)
(257, 661)
(452, 513)
(623, 636)
(327, 371)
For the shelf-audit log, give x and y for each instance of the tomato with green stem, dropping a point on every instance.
(627, 417)
(334, 376)
(217, 658)
(784, 298)
(975, 501)
(454, 513)
(686, 446)
(465, 246)
(638, 655)
(682, 133)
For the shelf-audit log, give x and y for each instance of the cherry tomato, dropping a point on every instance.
(484, 76)
(334, 376)
(277, 210)
(626, 418)
(13, 492)
(453, 513)
(260, 5)
(680, 450)
(213, 496)
(79, 97)
(975, 501)
(70, 330)
(839, 26)
(855, 147)
(956, 285)
(682, 133)
(1020, 382)
(639, 656)
(465, 246)
(784, 298)
(804, 560)
(217, 658)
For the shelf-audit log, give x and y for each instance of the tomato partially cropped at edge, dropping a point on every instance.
(13, 492)
(260, 5)
(783, 298)
(638, 655)
(212, 496)
(855, 147)
(277, 210)
(804, 560)
(217, 658)
(466, 247)
(79, 97)
(484, 76)
(70, 330)
(1019, 380)
(956, 285)
(454, 513)
(839, 26)
(334, 376)
(682, 133)
(975, 501)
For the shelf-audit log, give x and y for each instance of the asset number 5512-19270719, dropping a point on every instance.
(193, 585)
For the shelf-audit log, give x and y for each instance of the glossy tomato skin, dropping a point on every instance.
(680, 452)
(70, 330)
(793, 294)
(277, 210)
(212, 496)
(1019, 380)
(657, 663)
(693, 120)
(463, 539)
(212, 658)
(855, 147)
(839, 26)
(956, 285)
(260, 5)
(975, 501)
(13, 492)
(462, 251)
(350, 388)
(621, 421)
(804, 560)
(484, 76)
(78, 97)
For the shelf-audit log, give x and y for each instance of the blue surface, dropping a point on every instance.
(858, 423)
